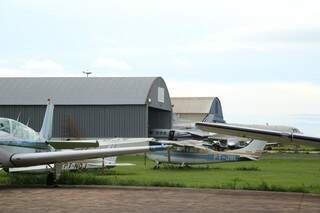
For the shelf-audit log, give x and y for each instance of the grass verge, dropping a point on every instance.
(274, 172)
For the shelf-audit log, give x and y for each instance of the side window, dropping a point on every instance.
(26, 133)
(5, 126)
(16, 129)
(21, 131)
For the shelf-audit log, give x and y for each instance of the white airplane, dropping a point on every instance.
(183, 130)
(189, 152)
(21, 146)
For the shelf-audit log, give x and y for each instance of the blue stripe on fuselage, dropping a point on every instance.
(201, 156)
(27, 144)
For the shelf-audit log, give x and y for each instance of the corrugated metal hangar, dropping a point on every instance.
(89, 107)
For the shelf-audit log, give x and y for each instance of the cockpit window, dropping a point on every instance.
(295, 130)
(21, 131)
(5, 125)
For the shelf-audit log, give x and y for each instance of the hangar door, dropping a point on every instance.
(158, 118)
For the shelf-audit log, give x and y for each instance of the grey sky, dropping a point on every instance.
(199, 47)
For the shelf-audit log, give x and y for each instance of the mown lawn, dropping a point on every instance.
(274, 172)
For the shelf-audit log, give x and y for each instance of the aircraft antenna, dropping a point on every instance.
(18, 118)
(28, 122)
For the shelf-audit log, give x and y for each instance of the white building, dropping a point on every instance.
(191, 108)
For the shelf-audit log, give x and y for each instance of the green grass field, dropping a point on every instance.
(274, 172)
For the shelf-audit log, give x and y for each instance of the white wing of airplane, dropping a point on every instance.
(186, 143)
(259, 134)
(97, 163)
(40, 158)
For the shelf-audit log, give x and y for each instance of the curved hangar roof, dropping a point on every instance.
(86, 91)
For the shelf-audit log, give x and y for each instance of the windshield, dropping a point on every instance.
(20, 130)
(4, 125)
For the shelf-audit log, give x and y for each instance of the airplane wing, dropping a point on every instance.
(40, 158)
(186, 143)
(199, 133)
(104, 143)
(259, 134)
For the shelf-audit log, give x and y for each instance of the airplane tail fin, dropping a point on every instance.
(215, 114)
(251, 151)
(46, 129)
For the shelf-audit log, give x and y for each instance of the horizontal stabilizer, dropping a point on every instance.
(252, 151)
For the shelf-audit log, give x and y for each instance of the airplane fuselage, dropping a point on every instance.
(178, 157)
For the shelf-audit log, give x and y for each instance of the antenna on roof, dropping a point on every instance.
(18, 118)
(87, 73)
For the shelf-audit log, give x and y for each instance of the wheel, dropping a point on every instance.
(157, 166)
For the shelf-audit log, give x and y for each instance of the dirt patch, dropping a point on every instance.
(141, 199)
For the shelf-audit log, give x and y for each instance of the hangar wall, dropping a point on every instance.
(85, 121)
(159, 119)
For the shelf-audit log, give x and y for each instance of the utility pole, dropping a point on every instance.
(87, 73)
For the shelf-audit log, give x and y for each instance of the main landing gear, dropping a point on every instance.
(54, 174)
(157, 166)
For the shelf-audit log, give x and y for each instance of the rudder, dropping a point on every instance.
(46, 129)
(215, 114)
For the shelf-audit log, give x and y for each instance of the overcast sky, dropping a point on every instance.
(261, 58)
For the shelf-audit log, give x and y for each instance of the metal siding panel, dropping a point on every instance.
(159, 118)
(86, 121)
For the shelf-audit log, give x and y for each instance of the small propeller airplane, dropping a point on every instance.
(21, 146)
(189, 152)
(183, 130)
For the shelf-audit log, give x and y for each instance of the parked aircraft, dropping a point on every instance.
(189, 152)
(187, 130)
(184, 129)
(21, 146)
